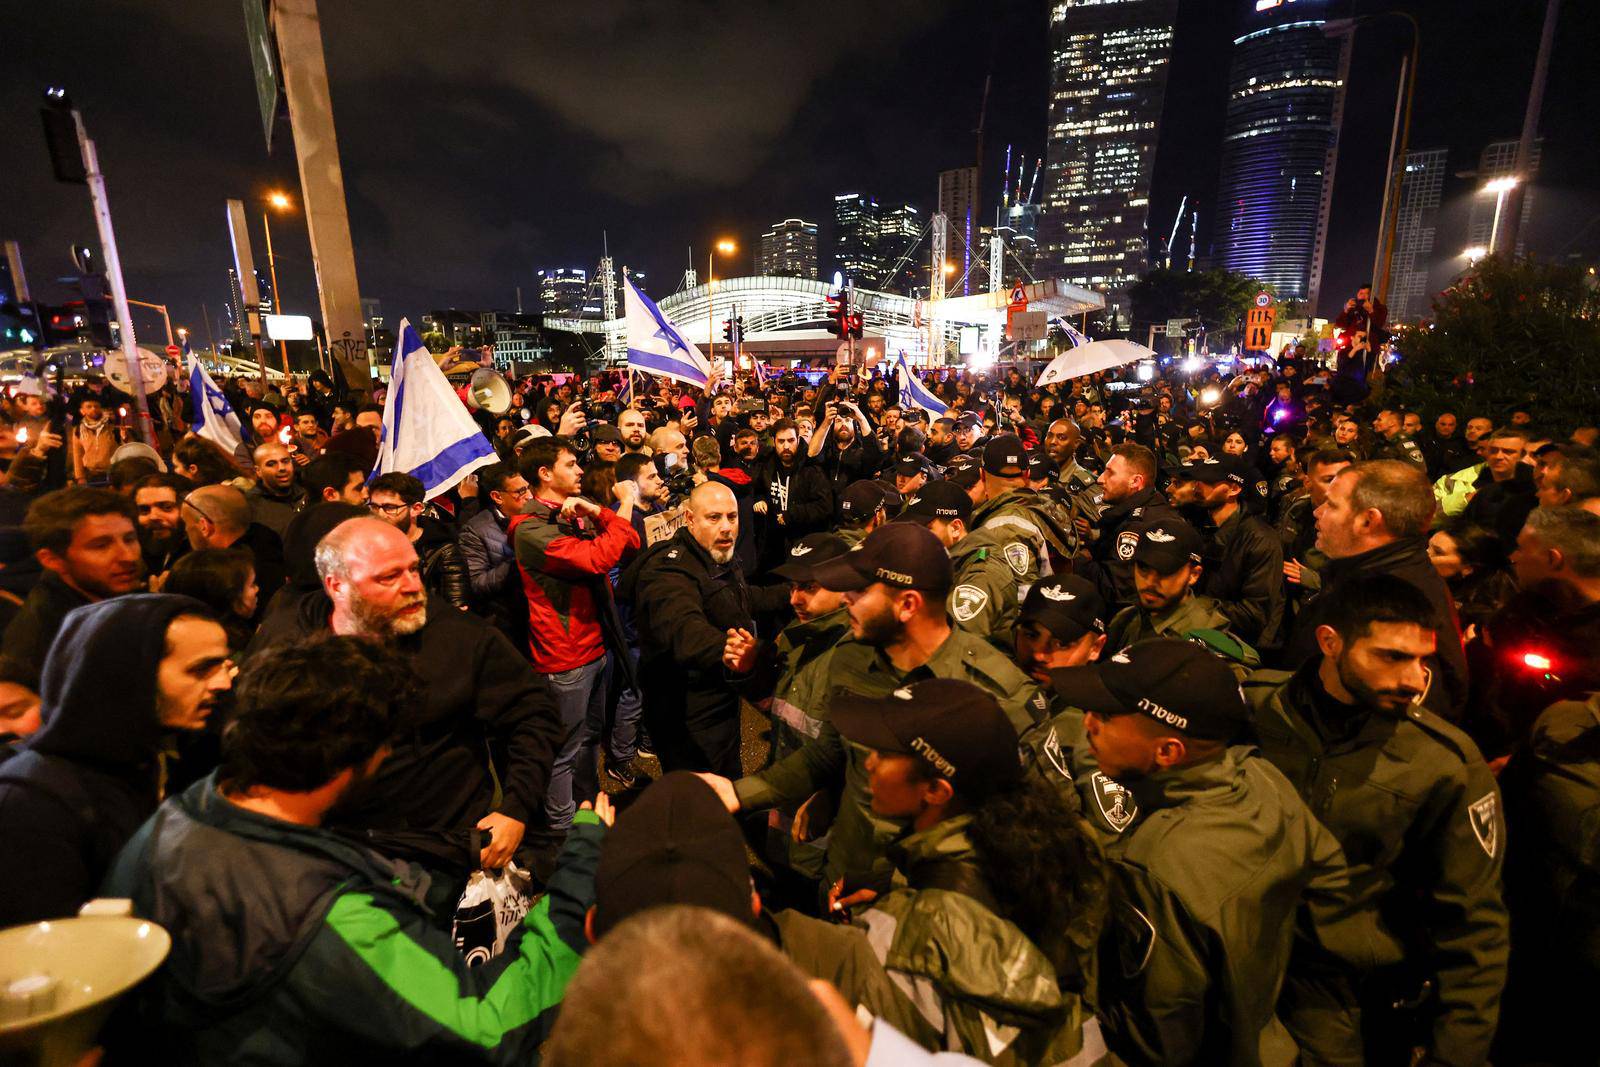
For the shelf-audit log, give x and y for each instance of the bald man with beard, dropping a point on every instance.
(688, 594)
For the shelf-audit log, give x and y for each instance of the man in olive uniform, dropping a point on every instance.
(1062, 624)
(1213, 856)
(1417, 812)
(984, 599)
(1131, 501)
(864, 506)
(1076, 486)
(1166, 566)
(1008, 508)
(777, 684)
(895, 585)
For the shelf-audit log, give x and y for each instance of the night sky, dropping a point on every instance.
(482, 141)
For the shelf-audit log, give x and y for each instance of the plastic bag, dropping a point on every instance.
(491, 907)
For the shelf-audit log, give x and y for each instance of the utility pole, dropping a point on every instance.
(108, 246)
(1530, 129)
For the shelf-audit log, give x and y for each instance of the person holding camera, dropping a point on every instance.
(845, 446)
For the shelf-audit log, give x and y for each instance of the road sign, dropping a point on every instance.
(1028, 326)
(1258, 328)
(173, 351)
(1263, 299)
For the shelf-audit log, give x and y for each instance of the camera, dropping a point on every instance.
(676, 476)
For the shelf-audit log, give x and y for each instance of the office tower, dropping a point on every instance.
(264, 290)
(1108, 80)
(958, 200)
(1420, 186)
(1499, 160)
(855, 237)
(237, 315)
(562, 291)
(789, 249)
(1285, 100)
(898, 232)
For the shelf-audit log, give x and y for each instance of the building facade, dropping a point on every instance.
(562, 291)
(1421, 185)
(1499, 160)
(1285, 101)
(899, 232)
(856, 218)
(1108, 81)
(789, 250)
(958, 201)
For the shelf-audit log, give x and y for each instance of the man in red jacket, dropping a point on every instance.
(566, 547)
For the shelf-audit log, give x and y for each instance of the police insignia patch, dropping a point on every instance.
(1484, 816)
(1053, 753)
(1114, 801)
(1017, 557)
(966, 601)
(1127, 541)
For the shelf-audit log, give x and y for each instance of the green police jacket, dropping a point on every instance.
(1196, 618)
(983, 600)
(859, 838)
(1213, 865)
(1418, 815)
(1015, 520)
(938, 962)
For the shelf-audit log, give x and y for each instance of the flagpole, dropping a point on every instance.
(711, 318)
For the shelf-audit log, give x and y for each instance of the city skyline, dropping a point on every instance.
(514, 177)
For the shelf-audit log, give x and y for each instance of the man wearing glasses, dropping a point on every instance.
(493, 582)
(398, 499)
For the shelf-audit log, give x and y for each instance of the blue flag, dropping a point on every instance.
(213, 415)
(913, 392)
(427, 430)
(656, 345)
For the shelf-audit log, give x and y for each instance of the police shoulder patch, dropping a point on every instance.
(1058, 758)
(1127, 541)
(1483, 815)
(1017, 557)
(1116, 804)
(966, 601)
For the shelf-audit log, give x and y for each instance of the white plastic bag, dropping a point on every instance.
(490, 908)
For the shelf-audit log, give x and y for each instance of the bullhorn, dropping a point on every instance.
(487, 390)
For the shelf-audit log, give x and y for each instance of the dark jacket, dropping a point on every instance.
(801, 493)
(266, 549)
(294, 945)
(1244, 572)
(1111, 553)
(27, 640)
(683, 605)
(1503, 506)
(444, 572)
(274, 510)
(746, 491)
(493, 581)
(480, 700)
(79, 788)
(1407, 560)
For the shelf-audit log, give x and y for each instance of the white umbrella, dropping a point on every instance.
(1092, 357)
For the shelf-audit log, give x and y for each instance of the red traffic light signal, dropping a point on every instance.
(727, 330)
(839, 316)
(853, 325)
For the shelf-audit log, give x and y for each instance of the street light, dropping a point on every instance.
(278, 202)
(727, 248)
(1475, 253)
(948, 268)
(1499, 187)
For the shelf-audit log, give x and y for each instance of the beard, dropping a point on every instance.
(1391, 701)
(878, 630)
(720, 555)
(391, 621)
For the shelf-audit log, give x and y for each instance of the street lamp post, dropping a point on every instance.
(727, 248)
(1499, 187)
(156, 307)
(280, 203)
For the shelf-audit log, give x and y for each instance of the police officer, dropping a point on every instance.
(1417, 812)
(772, 677)
(1131, 501)
(1394, 442)
(1062, 624)
(1008, 508)
(1213, 855)
(912, 472)
(895, 585)
(984, 599)
(971, 953)
(1243, 556)
(1167, 564)
(864, 506)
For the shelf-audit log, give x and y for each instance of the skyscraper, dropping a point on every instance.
(898, 231)
(958, 200)
(789, 249)
(1285, 100)
(1108, 79)
(855, 237)
(1420, 186)
(1499, 160)
(562, 291)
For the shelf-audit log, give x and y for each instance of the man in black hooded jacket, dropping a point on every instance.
(122, 676)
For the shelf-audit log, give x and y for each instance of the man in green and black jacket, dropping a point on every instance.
(295, 945)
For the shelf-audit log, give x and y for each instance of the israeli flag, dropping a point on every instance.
(427, 431)
(1073, 335)
(213, 415)
(913, 392)
(656, 345)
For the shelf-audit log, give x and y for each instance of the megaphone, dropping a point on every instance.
(487, 390)
(60, 979)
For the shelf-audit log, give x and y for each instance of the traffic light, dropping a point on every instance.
(839, 316)
(97, 313)
(727, 330)
(61, 138)
(738, 329)
(853, 325)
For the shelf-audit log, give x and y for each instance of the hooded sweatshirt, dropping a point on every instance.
(81, 786)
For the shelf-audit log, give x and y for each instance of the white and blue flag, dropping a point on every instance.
(913, 392)
(656, 345)
(427, 431)
(1073, 335)
(213, 415)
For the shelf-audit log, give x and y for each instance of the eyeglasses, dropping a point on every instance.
(198, 510)
(387, 509)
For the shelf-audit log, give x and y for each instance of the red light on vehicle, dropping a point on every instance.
(1536, 661)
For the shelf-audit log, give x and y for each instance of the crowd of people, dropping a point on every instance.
(1145, 718)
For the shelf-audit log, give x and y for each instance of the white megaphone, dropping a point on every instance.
(487, 390)
(60, 979)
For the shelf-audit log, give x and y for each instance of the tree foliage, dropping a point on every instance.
(1219, 298)
(1512, 333)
